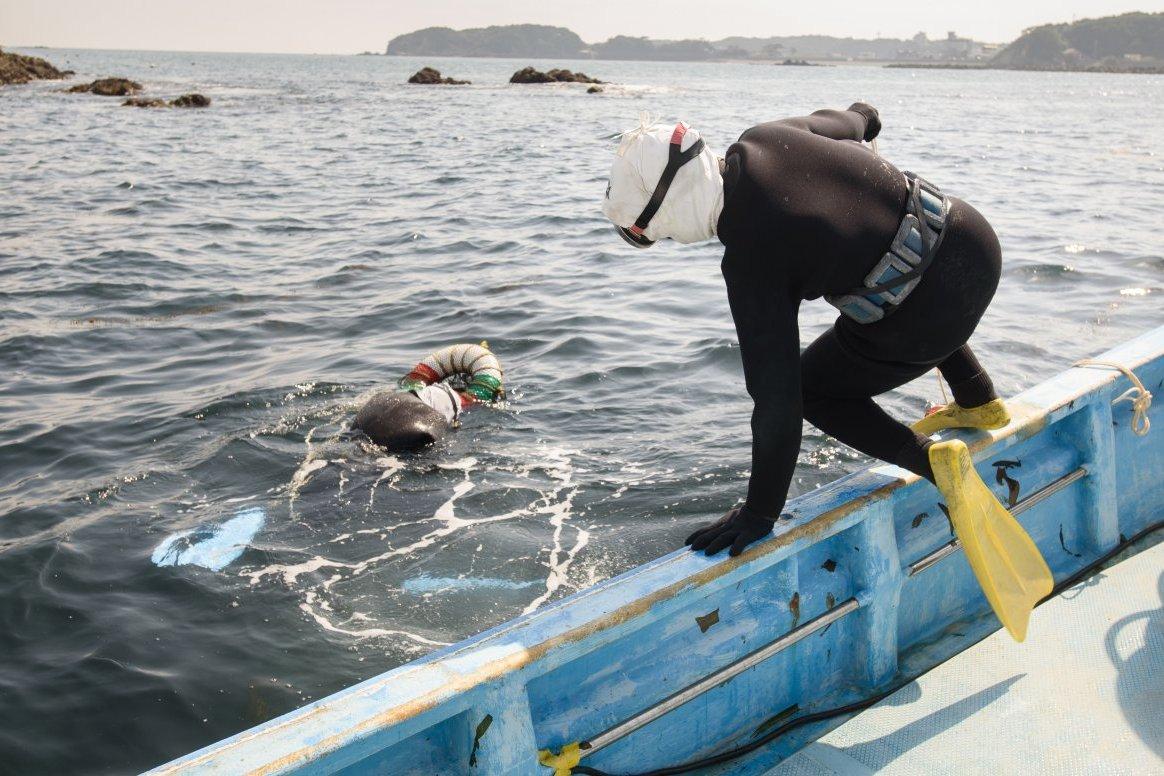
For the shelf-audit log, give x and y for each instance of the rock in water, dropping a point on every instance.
(527, 75)
(144, 102)
(568, 77)
(427, 75)
(109, 87)
(185, 101)
(19, 69)
(594, 90)
(190, 101)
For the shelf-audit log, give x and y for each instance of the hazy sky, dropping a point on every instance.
(348, 26)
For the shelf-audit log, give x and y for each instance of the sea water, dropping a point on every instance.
(194, 303)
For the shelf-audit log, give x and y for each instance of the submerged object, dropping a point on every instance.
(1013, 574)
(425, 407)
(423, 584)
(213, 546)
(861, 588)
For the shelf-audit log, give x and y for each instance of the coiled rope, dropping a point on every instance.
(1139, 396)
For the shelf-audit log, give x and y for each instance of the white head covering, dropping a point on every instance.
(693, 203)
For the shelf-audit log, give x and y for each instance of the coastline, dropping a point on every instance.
(1148, 70)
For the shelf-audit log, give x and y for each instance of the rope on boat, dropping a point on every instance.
(1139, 396)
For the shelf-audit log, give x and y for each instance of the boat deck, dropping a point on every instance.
(1083, 695)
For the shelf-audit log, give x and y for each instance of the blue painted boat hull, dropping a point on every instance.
(573, 669)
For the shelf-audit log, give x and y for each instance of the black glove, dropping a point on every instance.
(872, 119)
(738, 528)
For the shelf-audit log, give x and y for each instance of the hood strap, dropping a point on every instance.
(676, 158)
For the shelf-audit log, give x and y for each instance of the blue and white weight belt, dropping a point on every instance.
(910, 254)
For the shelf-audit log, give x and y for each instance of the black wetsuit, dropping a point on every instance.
(809, 211)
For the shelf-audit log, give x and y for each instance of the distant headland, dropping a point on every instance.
(543, 42)
(1131, 42)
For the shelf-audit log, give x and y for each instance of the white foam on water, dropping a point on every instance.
(559, 511)
(466, 465)
(363, 633)
(291, 574)
(391, 467)
(309, 465)
(555, 502)
(301, 476)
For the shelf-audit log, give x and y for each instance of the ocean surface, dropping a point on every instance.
(193, 303)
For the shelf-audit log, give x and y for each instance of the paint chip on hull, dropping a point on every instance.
(707, 620)
(482, 727)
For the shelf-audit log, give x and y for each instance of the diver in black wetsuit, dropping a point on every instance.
(805, 210)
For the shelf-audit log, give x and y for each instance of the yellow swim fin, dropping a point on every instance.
(1006, 562)
(993, 414)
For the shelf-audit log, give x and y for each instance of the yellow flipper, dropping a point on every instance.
(993, 414)
(1006, 562)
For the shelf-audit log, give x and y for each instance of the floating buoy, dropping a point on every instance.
(474, 362)
(425, 406)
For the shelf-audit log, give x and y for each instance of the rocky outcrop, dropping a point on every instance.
(527, 75)
(594, 90)
(191, 101)
(19, 69)
(427, 75)
(145, 102)
(109, 87)
(185, 101)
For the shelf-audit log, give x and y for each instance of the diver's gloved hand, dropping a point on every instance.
(738, 528)
(872, 119)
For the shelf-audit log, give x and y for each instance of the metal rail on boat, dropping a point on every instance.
(692, 691)
(1043, 493)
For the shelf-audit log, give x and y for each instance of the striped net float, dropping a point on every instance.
(476, 363)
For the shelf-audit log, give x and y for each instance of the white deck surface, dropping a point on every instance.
(1083, 695)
